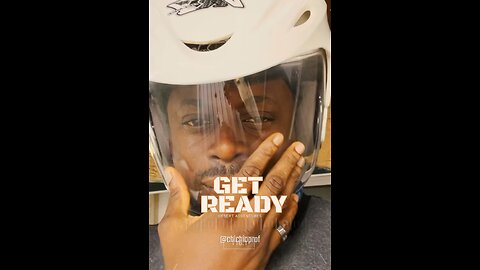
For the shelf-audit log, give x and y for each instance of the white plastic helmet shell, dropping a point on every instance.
(260, 33)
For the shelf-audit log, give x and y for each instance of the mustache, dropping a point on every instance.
(220, 170)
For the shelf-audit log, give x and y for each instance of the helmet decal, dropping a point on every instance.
(182, 7)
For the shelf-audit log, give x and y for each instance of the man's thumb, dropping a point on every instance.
(179, 201)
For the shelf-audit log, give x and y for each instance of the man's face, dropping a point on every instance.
(214, 128)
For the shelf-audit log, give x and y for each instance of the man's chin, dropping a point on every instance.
(194, 194)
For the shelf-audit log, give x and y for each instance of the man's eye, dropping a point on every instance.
(196, 123)
(257, 120)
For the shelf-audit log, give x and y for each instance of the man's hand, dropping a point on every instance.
(196, 242)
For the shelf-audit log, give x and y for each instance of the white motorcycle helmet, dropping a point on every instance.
(225, 74)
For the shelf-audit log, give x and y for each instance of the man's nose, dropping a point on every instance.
(227, 147)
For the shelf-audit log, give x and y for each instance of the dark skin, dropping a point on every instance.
(204, 147)
(198, 154)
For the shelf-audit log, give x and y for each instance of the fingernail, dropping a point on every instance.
(300, 148)
(278, 139)
(295, 197)
(301, 162)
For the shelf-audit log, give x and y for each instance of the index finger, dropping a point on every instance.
(257, 162)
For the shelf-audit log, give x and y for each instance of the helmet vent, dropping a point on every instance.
(207, 46)
(304, 18)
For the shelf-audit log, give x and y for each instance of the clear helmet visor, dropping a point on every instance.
(210, 130)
